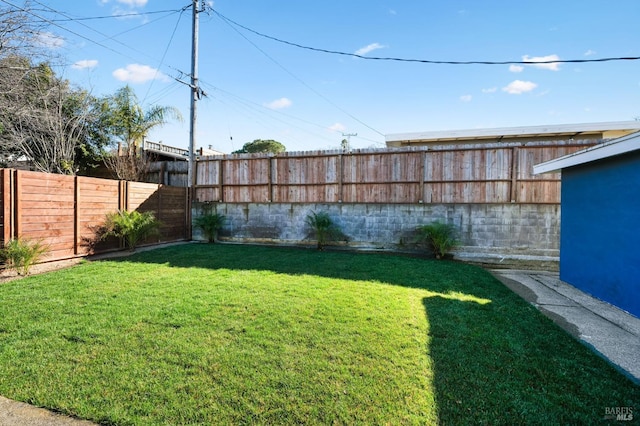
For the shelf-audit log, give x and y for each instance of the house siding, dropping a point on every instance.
(600, 232)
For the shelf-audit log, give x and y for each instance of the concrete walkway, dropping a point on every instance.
(13, 413)
(610, 332)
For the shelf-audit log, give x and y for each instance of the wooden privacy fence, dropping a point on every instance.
(447, 175)
(63, 211)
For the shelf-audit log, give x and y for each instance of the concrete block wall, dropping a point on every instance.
(489, 233)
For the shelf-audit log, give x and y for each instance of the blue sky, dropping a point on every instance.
(260, 89)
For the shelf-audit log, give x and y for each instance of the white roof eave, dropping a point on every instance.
(514, 132)
(605, 150)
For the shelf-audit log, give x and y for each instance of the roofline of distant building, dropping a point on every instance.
(606, 129)
(598, 152)
(175, 152)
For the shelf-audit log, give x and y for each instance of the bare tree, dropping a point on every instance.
(49, 136)
(128, 164)
(42, 118)
(19, 31)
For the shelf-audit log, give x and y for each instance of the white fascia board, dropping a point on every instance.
(168, 154)
(550, 130)
(609, 149)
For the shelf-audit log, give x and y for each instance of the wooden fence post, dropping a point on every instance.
(17, 190)
(220, 178)
(7, 217)
(269, 179)
(127, 195)
(159, 190)
(76, 215)
(340, 176)
(188, 214)
(514, 174)
(423, 161)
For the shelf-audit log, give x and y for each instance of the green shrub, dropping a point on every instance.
(20, 254)
(132, 226)
(323, 227)
(210, 223)
(439, 237)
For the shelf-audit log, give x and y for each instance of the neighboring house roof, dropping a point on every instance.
(174, 152)
(604, 150)
(565, 131)
(165, 150)
(203, 152)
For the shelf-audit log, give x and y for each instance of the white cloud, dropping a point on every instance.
(127, 14)
(84, 64)
(519, 87)
(279, 103)
(553, 66)
(136, 73)
(466, 98)
(589, 52)
(392, 12)
(337, 127)
(516, 68)
(133, 3)
(369, 48)
(490, 90)
(49, 40)
(128, 9)
(130, 3)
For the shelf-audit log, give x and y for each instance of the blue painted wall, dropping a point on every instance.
(600, 229)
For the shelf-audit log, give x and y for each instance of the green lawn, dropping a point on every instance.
(227, 334)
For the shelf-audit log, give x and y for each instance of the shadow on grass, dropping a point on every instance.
(503, 363)
(496, 360)
(396, 269)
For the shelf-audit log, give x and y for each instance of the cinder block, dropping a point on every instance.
(526, 228)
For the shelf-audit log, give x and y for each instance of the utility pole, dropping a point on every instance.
(195, 95)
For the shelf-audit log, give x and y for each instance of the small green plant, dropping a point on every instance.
(323, 227)
(20, 254)
(132, 226)
(210, 223)
(439, 237)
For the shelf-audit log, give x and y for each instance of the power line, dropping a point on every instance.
(297, 78)
(182, 10)
(124, 15)
(425, 61)
(43, 19)
(164, 55)
(60, 26)
(161, 62)
(261, 109)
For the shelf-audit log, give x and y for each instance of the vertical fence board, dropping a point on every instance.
(97, 197)
(7, 205)
(76, 216)
(46, 211)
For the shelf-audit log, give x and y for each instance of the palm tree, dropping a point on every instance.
(129, 124)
